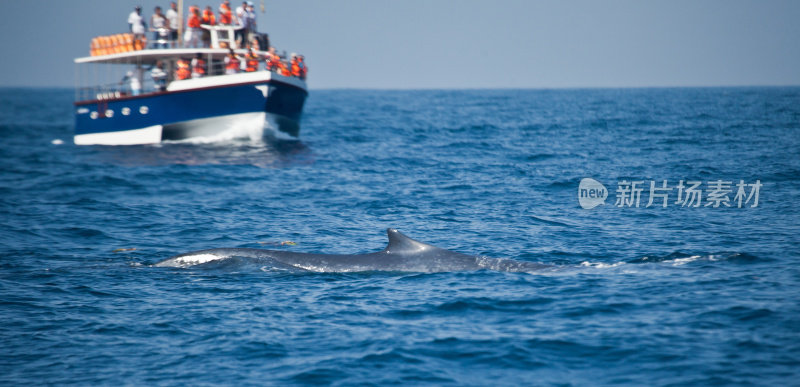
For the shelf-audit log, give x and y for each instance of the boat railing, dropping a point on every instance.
(147, 85)
(220, 36)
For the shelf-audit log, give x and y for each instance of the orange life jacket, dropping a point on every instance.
(283, 70)
(252, 63)
(273, 62)
(194, 21)
(295, 68)
(183, 70)
(225, 14)
(233, 63)
(208, 18)
(199, 67)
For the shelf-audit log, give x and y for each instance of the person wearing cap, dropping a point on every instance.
(136, 23)
(251, 21)
(134, 78)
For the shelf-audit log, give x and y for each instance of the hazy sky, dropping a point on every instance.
(459, 43)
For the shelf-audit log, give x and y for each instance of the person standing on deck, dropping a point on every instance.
(251, 61)
(193, 31)
(232, 63)
(208, 19)
(251, 21)
(182, 71)
(174, 23)
(158, 24)
(198, 66)
(134, 79)
(225, 14)
(241, 20)
(159, 77)
(136, 23)
(301, 61)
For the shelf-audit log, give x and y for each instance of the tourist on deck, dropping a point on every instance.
(136, 23)
(198, 66)
(158, 24)
(208, 16)
(209, 20)
(225, 14)
(241, 21)
(303, 68)
(251, 61)
(174, 23)
(273, 60)
(295, 65)
(159, 77)
(232, 63)
(134, 79)
(193, 30)
(251, 21)
(183, 72)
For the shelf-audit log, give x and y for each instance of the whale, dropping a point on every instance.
(402, 254)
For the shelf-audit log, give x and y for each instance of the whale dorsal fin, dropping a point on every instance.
(401, 243)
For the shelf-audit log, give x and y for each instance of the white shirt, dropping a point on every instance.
(241, 15)
(251, 19)
(135, 20)
(158, 74)
(157, 22)
(135, 78)
(172, 16)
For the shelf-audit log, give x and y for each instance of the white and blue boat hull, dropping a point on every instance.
(203, 107)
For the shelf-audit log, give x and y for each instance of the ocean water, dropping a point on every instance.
(675, 295)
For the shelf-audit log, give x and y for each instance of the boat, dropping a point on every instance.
(117, 104)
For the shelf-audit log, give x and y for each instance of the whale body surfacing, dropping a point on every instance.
(402, 254)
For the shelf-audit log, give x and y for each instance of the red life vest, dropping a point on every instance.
(233, 63)
(225, 15)
(283, 70)
(199, 67)
(208, 18)
(252, 63)
(183, 70)
(295, 68)
(273, 62)
(194, 21)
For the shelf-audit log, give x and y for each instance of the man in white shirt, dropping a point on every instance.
(136, 23)
(172, 18)
(134, 79)
(241, 20)
(159, 77)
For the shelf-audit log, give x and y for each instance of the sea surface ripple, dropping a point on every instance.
(641, 296)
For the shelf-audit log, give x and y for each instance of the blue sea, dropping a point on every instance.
(635, 293)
